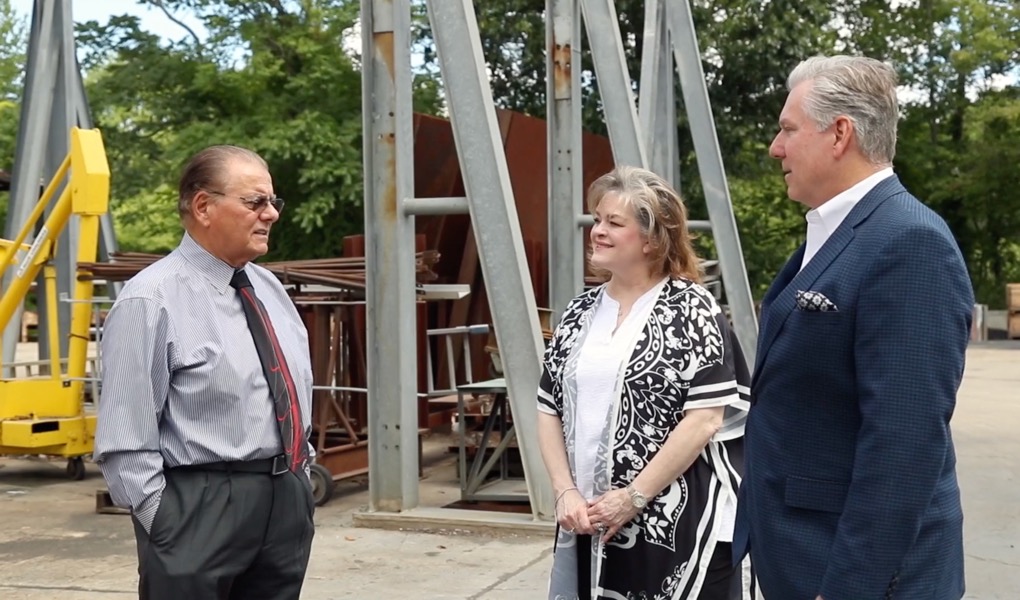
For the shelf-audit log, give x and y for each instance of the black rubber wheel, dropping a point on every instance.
(76, 468)
(322, 484)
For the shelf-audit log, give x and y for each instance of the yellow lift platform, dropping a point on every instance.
(46, 414)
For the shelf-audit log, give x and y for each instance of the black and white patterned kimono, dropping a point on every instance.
(685, 357)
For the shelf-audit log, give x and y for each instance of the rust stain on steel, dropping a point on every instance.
(384, 118)
(561, 70)
(383, 41)
(389, 195)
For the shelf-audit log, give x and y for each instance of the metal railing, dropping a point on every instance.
(448, 334)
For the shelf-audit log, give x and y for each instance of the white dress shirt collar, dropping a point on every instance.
(212, 268)
(825, 219)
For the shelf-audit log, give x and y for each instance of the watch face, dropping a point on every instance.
(639, 501)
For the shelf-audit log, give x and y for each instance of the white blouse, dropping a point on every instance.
(598, 366)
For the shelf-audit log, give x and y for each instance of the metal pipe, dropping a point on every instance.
(50, 277)
(468, 329)
(435, 206)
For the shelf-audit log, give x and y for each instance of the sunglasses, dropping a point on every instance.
(255, 203)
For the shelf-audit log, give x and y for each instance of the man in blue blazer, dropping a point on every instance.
(850, 489)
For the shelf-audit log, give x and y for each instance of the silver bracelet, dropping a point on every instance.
(563, 493)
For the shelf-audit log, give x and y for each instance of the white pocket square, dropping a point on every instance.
(814, 302)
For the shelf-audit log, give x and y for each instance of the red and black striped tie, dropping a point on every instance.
(274, 366)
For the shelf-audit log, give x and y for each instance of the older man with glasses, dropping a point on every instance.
(204, 416)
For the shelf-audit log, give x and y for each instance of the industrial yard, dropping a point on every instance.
(56, 546)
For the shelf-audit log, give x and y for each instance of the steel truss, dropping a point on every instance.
(645, 138)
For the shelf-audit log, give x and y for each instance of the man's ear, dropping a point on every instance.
(843, 129)
(201, 203)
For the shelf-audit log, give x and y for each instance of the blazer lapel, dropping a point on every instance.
(786, 300)
(779, 284)
(780, 300)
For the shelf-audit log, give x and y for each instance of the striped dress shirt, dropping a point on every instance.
(182, 383)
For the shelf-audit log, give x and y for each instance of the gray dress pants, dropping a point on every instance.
(220, 535)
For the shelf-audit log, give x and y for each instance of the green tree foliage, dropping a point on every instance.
(951, 54)
(281, 76)
(513, 43)
(149, 219)
(749, 48)
(272, 76)
(987, 183)
(13, 41)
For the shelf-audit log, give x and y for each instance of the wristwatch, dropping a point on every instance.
(637, 498)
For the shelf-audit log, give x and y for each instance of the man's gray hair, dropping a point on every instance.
(863, 89)
(205, 171)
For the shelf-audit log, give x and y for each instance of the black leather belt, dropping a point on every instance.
(276, 465)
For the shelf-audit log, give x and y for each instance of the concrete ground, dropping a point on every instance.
(53, 544)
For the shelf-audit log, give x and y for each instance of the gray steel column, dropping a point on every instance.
(497, 229)
(36, 104)
(389, 178)
(565, 166)
(657, 96)
(63, 116)
(713, 175)
(614, 82)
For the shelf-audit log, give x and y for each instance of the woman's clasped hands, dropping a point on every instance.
(603, 516)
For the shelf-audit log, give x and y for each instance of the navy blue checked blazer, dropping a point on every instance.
(850, 485)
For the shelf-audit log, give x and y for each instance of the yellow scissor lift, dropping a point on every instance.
(46, 414)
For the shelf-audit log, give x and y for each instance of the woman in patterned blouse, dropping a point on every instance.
(642, 407)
